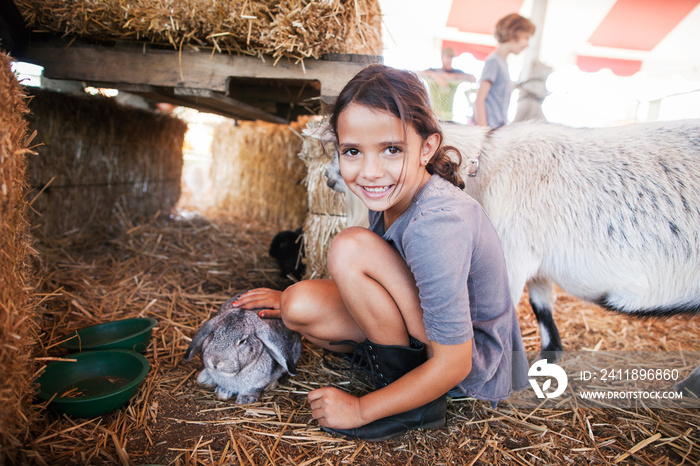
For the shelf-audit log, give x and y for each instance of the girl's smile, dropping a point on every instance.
(380, 162)
(377, 191)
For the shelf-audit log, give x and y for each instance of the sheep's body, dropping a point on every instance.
(612, 215)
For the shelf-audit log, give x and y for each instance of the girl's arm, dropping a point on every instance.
(480, 103)
(448, 366)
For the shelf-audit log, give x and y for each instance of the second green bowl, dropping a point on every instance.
(131, 334)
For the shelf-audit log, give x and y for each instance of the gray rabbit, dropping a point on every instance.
(242, 353)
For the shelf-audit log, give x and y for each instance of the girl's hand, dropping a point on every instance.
(335, 408)
(261, 298)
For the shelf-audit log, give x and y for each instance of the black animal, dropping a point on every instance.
(287, 248)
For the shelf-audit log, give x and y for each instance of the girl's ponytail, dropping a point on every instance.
(441, 164)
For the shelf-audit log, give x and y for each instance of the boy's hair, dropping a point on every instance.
(402, 94)
(510, 26)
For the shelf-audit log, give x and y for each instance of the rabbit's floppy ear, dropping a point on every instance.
(279, 345)
(200, 336)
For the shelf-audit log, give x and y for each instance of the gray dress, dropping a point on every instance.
(455, 256)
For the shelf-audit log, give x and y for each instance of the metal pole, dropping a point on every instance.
(539, 11)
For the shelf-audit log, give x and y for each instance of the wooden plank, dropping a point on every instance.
(198, 69)
(219, 102)
(204, 100)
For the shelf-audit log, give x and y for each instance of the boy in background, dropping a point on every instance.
(513, 33)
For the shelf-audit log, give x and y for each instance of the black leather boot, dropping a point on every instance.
(386, 364)
(429, 416)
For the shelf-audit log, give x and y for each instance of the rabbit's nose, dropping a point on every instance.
(221, 364)
(214, 362)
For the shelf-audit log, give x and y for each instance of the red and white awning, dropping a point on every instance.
(626, 36)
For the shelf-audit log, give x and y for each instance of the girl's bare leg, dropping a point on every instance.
(372, 296)
(315, 309)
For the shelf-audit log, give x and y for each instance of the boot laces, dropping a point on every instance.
(361, 358)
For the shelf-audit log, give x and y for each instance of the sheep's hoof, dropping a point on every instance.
(552, 356)
(690, 385)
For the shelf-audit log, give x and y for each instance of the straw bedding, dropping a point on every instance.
(17, 316)
(97, 156)
(292, 28)
(180, 270)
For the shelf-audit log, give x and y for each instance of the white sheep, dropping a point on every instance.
(611, 215)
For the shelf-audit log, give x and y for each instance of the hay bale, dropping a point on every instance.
(97, 157)
(327, 212)
(256, 172)
(17, 315)
(293, 28)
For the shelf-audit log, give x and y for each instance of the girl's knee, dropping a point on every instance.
(350, 238)
(293, 303)
(348, 245)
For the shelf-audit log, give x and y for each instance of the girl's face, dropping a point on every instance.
(378, 165)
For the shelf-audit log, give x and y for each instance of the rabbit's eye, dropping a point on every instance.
(242, 341)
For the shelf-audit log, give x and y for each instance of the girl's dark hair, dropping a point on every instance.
(402, 94)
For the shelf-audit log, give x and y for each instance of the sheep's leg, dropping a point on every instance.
(691, 384)
(542, 299)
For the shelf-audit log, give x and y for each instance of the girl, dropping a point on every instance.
(423, 293)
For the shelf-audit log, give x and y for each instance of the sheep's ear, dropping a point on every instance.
(279, 346)
(200, 337)
(322, 132)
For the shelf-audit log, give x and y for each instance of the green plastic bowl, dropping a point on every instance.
(97, 383)
(132, 334)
